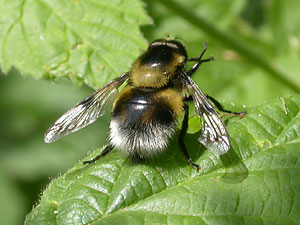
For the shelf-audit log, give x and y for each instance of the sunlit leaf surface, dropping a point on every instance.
(80, 40)
(256, 182)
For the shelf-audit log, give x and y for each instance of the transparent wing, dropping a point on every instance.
(214, 135)
(85, 112)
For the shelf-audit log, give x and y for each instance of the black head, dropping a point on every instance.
(173, 44)
(161, 52)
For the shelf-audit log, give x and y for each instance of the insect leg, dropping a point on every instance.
(103, 153)
(198, 61)
(181, 138)
(227, 112)
(188, 99)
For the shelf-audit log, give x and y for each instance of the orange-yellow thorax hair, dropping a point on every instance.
(152, 71)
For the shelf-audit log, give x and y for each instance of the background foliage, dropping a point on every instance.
(61, 41)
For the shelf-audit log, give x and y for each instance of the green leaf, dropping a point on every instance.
(255, 183)
(81, 40)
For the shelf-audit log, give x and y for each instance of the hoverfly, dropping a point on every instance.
(145, 113)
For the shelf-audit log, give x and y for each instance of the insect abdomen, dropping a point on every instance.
(142, 122)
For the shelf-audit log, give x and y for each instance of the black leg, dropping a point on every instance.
(181, 138)
(199, 61)
(103, 153)
(188, 99)
(220, 108)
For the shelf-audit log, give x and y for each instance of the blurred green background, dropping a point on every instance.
(28, 106)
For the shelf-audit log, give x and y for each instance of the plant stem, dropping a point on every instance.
(211, 30)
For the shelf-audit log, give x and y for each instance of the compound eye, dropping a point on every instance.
(173, 44)
(156, 43)
(178, 47)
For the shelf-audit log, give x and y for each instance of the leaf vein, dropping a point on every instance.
(128, 12)
(117, 177)
(94, 189)
(69, 27)
(259, 125)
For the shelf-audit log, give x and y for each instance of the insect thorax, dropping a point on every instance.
(156, 67)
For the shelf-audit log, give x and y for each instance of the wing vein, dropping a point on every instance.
(85, 112)
(214, 135)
